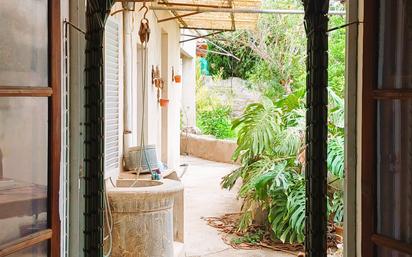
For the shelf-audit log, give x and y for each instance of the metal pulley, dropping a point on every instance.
(144, 31)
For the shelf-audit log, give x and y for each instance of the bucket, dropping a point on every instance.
(132, 160)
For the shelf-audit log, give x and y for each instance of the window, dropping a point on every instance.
(30, 128)
(387, 130)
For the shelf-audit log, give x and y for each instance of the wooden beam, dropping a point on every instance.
(202, 36)
(25, 242)
(232, 15)
(392, 244)
(177, 17)
(136, 1)
(25, 91)
(54, 149)
(176, 14)
(194, 5)
(369, 51)
(200, 28)
(236, 10)
(392, 93)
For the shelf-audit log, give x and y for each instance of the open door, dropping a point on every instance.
(30, 130)
(387, 129)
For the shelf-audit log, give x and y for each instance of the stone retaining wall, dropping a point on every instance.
(207, 147)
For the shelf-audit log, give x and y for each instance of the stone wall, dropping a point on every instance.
(234, 92)
(207, 147)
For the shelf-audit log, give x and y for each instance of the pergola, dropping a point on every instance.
(213, 15)
(217, 15)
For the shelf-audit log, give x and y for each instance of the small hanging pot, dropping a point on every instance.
(163, 102)
(178, 78)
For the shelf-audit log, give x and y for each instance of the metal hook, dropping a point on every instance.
(146, 10)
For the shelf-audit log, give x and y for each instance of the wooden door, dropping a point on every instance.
(387, 129)
(29, 128)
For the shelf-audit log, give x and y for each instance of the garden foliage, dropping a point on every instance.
(271, 133)
(216, 122)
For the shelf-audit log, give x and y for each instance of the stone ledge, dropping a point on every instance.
(207, 147)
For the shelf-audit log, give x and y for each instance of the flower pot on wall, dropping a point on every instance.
(163, 102)
(178, 78)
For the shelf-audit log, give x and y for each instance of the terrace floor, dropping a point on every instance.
(205, 198)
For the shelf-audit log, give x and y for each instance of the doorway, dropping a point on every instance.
(386, 134)
(30, 130)
(94, 115)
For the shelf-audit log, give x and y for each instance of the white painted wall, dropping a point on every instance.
(152, 122)
(188, 55)
(153, 113)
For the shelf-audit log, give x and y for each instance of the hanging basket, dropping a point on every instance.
(163, 102)
(178, 78)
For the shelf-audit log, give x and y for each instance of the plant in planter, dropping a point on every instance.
(178, 78)
(271, 149)
(163, 102)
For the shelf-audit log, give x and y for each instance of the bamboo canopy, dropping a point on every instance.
(212, 14)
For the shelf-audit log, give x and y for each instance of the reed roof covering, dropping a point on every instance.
(224, 20)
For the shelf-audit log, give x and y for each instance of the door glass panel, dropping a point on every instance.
(395, 40)
(385, 252)
(394, 169)
(23, 43)
(38, 250)
(23, 166)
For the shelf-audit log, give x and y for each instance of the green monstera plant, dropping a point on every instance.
(271, 151)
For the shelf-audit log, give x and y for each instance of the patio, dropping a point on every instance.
(205, 198)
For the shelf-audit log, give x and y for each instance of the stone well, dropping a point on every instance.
(143, 217)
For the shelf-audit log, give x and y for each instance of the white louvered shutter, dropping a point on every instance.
(112, 96)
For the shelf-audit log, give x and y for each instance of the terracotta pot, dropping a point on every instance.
(201, 49)
(178, 78)
(339, 231)
(163, 102)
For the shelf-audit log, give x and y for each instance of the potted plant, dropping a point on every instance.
(163, 102)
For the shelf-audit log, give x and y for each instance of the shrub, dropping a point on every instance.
(216, 122)
(271, 149)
